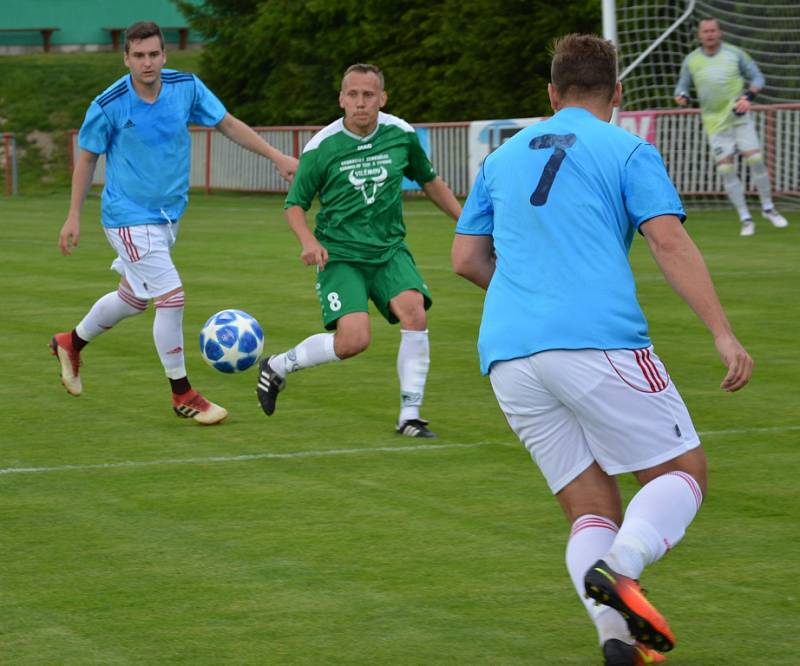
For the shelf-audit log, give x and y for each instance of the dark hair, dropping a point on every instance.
(584, 66)
(364, 68)
(142, 30)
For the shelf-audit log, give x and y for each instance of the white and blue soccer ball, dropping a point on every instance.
(231, 341)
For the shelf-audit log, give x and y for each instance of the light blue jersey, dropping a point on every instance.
(147, 146)
(562, 199)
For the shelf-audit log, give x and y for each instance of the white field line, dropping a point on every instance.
(322, 454)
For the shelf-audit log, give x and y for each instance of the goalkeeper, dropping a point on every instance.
(727, 81)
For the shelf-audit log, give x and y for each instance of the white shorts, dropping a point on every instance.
(571, 408)
(144, 259)
(741, 137)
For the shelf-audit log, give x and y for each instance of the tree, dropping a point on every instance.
(281, 61)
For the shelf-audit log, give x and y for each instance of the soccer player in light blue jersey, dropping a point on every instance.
(546, 231)
(727, 81)
(141, 124)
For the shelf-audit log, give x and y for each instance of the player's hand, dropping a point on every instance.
(736, 359)
(742, 106)
(287, 166)
(682, 100)
(69, 235)
(314, 254)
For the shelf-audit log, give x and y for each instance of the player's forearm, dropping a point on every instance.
(296, 219)
(247, 137)
(473, 258)
(82, 176)
(441, 195)
(685, 270)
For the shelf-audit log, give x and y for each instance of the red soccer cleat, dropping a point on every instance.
(192, 405)
(70, 360)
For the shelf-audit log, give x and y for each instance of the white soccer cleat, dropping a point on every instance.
(778, 220)
(748, 227)
(192, 405)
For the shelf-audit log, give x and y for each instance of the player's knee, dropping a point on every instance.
(416, 320)
(726, 168)
(754, 160)
(350, 343)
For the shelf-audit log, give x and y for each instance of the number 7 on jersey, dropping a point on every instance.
(560, 143)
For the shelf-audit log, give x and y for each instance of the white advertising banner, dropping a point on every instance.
(486, 135)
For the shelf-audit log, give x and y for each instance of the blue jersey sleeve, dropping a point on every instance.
(477, 216)
(647, 189)
(207, 110)
(95, 132)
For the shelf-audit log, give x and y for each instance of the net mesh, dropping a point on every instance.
(654, 36)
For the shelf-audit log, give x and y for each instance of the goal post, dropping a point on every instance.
(654, 36)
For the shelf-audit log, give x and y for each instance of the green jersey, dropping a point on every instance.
(360, 185)
(719, 79)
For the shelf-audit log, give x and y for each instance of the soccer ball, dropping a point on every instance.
(231, 341)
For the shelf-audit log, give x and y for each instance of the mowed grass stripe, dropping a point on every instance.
(421, 448)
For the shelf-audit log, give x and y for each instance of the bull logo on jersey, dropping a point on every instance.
(368, 181)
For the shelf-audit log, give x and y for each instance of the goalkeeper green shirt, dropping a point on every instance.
(719, 79)
(360, 185)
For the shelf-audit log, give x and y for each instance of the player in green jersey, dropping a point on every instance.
(727, 81)
(356, 165)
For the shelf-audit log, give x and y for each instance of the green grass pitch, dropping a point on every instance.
(318, 536)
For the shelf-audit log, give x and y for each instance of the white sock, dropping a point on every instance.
(168, 334)
(655, 520)
(314, 350)
(735, 191)
(108, 311)
(590, 539)
(760, 177)
(413, 361)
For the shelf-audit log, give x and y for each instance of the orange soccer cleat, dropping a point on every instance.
(623, 594)
(620, 653)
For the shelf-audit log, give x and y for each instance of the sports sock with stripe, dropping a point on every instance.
(655, 521)
(589, 540)
(108, 311)
(168, 334)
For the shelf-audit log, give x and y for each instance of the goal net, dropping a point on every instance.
(654, 36)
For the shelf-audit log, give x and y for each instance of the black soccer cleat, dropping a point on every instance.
(624, 595)
(270, 383)
(415, 428)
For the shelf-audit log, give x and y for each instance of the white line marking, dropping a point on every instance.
(322, 454)
(242, 458)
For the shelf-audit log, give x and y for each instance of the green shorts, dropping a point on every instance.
(344, 287)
